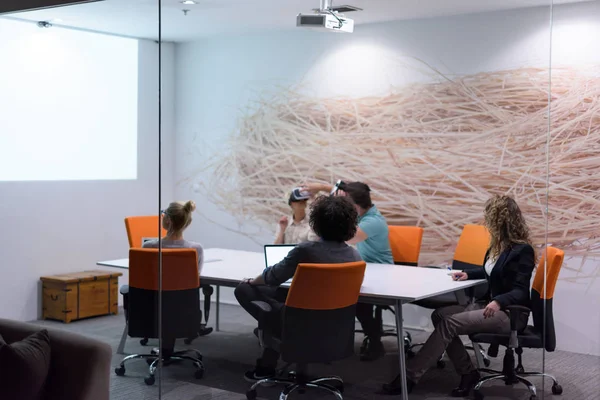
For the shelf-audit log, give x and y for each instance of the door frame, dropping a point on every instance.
(12, 6)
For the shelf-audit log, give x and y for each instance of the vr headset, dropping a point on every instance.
(339, 185)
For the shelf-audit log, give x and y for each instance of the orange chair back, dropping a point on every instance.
(326, 286)
(552, 268)
(142, 227)
(405, 242)
(472, 245)
(542, 300)
(179, 269)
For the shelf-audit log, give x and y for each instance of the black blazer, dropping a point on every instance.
(510, 280)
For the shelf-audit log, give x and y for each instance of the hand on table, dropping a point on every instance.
(491, 309)
(459, 276)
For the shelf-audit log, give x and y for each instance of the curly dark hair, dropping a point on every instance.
(333, 218)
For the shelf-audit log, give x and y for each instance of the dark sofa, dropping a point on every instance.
(79, 366)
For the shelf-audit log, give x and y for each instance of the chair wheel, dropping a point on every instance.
(340, 388)
(120, 371)
(519, 370)
(199, 373)
(533, 397)
(144, 341)
(486, 362)
(557, 389)
(251, 395)
(441, 364)
(149, 380)
(477, 395)
(410, 354)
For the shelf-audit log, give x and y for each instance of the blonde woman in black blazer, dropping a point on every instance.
(508, 267)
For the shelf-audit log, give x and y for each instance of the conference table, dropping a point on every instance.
(383, 284)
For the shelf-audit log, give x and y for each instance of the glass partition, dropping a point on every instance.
(436, 109)
(570, 315)
(79, 155)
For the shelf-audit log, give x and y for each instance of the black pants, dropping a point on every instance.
(370, 326)
(275, 297)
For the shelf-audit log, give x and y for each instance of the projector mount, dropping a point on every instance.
(326, 7)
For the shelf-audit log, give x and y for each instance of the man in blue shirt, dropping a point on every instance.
(372, 242)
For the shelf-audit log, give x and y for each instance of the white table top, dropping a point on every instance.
(396, 282)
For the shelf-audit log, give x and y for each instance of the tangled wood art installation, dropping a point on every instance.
(432, 154)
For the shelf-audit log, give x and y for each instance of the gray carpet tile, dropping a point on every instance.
(233, 350)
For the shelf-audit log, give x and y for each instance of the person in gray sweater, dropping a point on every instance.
(333, 219)
(175, 219)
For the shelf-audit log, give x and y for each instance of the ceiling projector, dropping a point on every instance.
(328, 17)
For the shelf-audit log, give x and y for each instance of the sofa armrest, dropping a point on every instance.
(79, 368)
(79, 365)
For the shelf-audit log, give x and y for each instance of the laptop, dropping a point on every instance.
(148, 239)
(276, 252)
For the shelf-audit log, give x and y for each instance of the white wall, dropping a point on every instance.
(66, 226)
(218, 78)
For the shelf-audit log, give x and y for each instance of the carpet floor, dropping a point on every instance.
(233, 350)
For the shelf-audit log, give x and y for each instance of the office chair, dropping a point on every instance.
(315, 328)
(141, 227)
(472, 245)
(146, 226)
(539, 336)
(405, 242)
(180, 305)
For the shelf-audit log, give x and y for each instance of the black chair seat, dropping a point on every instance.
(529, 338)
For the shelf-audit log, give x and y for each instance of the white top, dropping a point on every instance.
(179, 244)
(298, 232)
(387, 281)
(489, 265)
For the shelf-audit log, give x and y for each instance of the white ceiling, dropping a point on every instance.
(139, 18)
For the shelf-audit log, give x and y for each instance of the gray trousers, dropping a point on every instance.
(450, 322)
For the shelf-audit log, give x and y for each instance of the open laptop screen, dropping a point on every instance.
(276, 252)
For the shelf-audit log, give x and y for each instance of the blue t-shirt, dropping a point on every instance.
(376, 248)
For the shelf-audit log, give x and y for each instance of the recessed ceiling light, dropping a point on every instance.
(188, 2)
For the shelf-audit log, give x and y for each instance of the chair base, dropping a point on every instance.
(514, 379)
(300, 385)
(442, 364)
(154, 358)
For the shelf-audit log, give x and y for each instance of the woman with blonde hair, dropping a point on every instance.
(175, 219)
(508, 266)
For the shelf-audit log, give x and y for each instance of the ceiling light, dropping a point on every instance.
(188, 2)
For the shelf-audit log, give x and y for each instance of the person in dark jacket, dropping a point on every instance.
(508, 266)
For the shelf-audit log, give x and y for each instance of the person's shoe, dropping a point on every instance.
(204, 330)
(371, 349)
(467, 383)
(259, 373)
(394, 388)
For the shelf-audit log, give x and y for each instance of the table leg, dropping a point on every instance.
(121, 348)
(401, 355)
(218, 307)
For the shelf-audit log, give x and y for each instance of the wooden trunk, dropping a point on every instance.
(79, 295)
